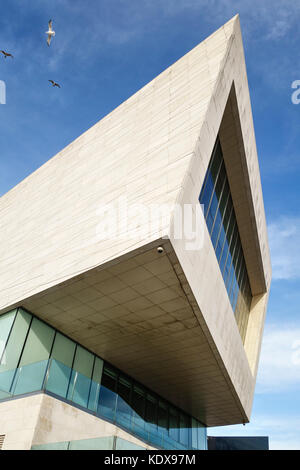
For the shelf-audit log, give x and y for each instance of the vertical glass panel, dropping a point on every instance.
(124, 411)
(219, 215)
(6, 321)
(202, 437)
(194, 434)
(58, 378)
(60, 365)
(138, 406)
(184, 429)
(13, 350)
(34, 360)
(217, 161)
(151, 412)
(83, 362)
(163, 417)
(63, 349)
(95, 385)
(173, 423)
(38, 344)
(220, 180)
(108, 395)
(81, 377)
(207, 193)
(212, 212)
(79, 389)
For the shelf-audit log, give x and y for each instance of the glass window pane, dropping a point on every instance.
(194, 434)
(108, 395)
(173, 423)
(222, 226)
(6, 322)
(58, 378)
(216, 162)
(138, 405)
(34, 360)
(83, 362)
(81, 377)
(163, 417)
(38, 344)
(63, 349)
(184, 429)
(219, 215)
(13, 350)
(207, 193)
(60, 367)
(124, 411)
(202, 437)
(95, 385)
(151, 412)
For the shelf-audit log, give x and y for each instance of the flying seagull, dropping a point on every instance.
(54, 83)
(6, 54)
(50, 32)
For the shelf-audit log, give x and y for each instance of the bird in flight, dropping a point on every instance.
(50, 33)
(54, 83)
(6, 54)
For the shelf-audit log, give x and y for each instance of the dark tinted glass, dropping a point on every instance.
(108, 396)
(222, 226)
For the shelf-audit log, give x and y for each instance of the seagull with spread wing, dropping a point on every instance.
(6, 54)
(54, 83)
(50, 32)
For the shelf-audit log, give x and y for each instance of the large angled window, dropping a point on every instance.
(222, 226)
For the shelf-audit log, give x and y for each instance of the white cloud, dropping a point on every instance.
(279, 366)
(284, 239)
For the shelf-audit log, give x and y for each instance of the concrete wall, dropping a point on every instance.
(41, 419)
(140, 151)
(200, 267)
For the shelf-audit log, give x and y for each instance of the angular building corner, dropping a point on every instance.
(108, 341)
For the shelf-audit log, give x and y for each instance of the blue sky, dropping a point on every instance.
(104, 51)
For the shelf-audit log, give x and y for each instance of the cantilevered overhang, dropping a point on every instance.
(139, 314)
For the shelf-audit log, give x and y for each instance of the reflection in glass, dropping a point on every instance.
(108, 395)
(124, 411)
(58, 378)
(44, 359)
(222, 226)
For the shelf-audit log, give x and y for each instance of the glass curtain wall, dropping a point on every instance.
(35, 356)
(221, 222)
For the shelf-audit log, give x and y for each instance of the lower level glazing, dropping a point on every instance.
(36, 357)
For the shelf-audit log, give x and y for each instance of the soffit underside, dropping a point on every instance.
(136, 315)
